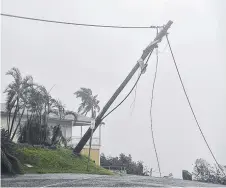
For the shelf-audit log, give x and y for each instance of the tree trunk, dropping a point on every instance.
(18, 123)
(40, 124)
(45, 114)
(27, 114)
(28, 128)
(9, 115)
(92, 113)
(14, 116)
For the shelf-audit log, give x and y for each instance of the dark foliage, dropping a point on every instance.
(9, 163)
(33, 133)
(131, 167)
(186, 175)
(58, 137)
(204, 172)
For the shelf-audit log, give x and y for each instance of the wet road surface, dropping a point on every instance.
(88, 180)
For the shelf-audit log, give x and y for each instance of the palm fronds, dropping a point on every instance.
(9, 163)
(89, 102)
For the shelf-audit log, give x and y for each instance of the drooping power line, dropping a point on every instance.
(123, 99)
(80, 24)
(134, 100)
(129, 91)
(185, 92)
(152, 97)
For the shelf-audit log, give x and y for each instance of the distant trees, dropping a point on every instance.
(125, 161)
(204, 172)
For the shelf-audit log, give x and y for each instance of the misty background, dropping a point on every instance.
(100, 58)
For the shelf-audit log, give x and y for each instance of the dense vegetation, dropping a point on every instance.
(25, 98)
(9, 162)
(205, 172)
(131, 166)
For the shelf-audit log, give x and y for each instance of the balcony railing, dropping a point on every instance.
(75, 140)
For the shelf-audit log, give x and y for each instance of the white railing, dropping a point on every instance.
(75, 140)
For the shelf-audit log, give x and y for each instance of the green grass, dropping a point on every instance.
(56, 161)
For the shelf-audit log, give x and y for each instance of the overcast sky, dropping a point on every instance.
(100, 58)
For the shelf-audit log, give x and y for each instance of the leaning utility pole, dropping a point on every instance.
(140, 63)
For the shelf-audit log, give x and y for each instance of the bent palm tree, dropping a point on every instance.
(89, 102)
(16, 100)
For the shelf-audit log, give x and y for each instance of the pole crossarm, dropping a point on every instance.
(145, 53)
(157, 39)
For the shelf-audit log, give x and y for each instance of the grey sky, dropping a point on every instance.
(73, 57)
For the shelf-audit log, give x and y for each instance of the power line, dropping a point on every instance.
(134, 100)
(129, 91)
(164, 49)
(152, 96)
(123, 99)
(171, 51)
(80, 24)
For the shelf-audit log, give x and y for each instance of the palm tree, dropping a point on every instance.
(15, 99)
(38, 107)
(89, 102)
(41, 104)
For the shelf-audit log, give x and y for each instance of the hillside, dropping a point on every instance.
(56, 161)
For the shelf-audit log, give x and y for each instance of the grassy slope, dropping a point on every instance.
(56, 161)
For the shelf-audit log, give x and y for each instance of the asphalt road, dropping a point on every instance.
(87, 180)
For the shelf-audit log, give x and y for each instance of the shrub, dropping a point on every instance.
(186, 175)
(9, 162)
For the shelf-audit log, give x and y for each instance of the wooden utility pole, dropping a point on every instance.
(146, 52)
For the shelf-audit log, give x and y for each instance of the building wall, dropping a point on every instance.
(94, 154)
(3, 122)
(66, 128)
(4, 125)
